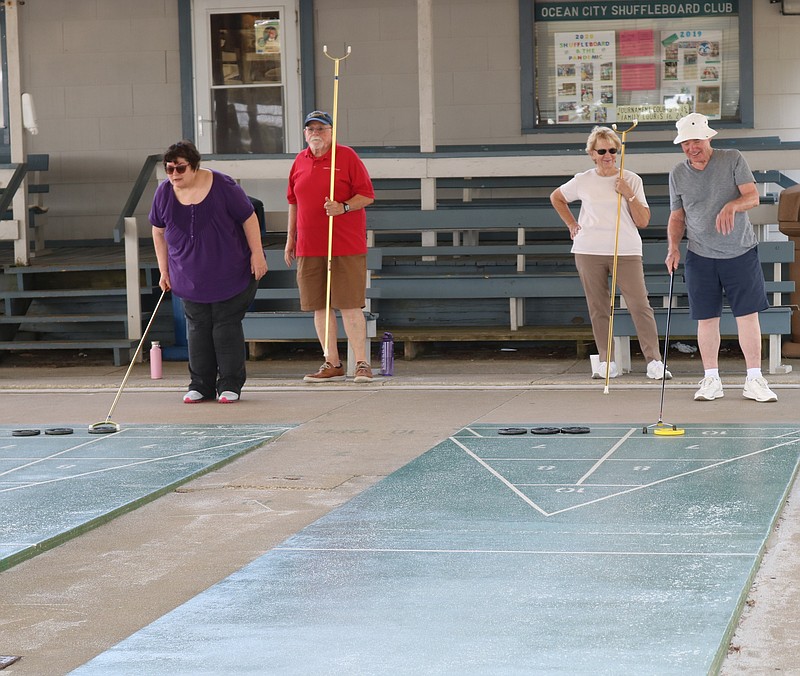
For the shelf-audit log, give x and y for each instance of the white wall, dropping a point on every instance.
(104, 77)
(476, 61)
(477, 66)
(776, 67)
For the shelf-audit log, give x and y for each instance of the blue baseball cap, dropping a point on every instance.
(318, 116)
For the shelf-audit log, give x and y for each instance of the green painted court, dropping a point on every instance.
(611, 552)
(54, 487)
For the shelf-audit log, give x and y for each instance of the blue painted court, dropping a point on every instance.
(607, 553)
(53, 488)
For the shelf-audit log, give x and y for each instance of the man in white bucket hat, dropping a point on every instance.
(710, 193)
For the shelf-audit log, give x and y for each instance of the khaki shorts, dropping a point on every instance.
(348, 282)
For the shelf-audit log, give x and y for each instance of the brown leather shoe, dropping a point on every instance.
(327, 373)
(363, 373)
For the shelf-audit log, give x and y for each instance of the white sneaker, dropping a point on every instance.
(758, 390)
(192, 397)
(601, 371)
(710, 389)
(228, 397)
(655, 370)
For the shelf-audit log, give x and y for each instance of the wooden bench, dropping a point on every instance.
(775, 322)
(553, 276)
(534, 191)
(276, 314)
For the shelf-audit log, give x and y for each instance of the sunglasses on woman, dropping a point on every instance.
(603, 151)
(179, 168)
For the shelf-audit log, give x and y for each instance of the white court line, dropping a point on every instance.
(34, 484)
(500, 477)
(375, 387)
(54, 455)
(676, 476)
(539, 552)
(538, 458)
(527, 485)
(704, 468)
(605, 457)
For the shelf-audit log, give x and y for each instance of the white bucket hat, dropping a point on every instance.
(693, 126)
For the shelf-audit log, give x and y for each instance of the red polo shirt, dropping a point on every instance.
(309, 185)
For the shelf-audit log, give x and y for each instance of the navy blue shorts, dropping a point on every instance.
(741, 278)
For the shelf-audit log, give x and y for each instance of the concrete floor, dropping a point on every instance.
(67, 605)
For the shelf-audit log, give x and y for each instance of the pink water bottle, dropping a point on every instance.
(155, 360)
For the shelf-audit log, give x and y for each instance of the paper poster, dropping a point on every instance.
(637, 76)
(652, 112)
(691, 63)
(585, 65)
(636, 43)
(268, 39)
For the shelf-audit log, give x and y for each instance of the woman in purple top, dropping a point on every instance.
(208, 244)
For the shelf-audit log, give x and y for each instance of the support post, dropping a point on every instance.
(789, 225)
(132, 284)
(16, 129)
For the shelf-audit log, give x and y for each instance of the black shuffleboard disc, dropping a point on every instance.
(575, 430)
(545, 430)
(512, 430)
(25, 433)
(103, 428)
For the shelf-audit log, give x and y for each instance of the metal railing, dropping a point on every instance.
(145, 174)
(10, 189)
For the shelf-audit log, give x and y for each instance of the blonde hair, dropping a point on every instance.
(605, 133)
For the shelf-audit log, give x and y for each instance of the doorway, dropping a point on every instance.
(247, 93)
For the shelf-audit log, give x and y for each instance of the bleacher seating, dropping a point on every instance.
(35, 164)
(276, 315)
(540, 271)
(483, 267)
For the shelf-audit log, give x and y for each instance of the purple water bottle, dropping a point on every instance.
(387, 354)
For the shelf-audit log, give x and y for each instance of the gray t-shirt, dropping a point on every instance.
(702, 194)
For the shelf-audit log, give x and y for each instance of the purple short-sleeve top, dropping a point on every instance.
(209, 258)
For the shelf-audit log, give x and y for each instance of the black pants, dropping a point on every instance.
(216, 343)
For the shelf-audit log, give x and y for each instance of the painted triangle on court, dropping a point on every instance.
(557, 484)
(555, 497)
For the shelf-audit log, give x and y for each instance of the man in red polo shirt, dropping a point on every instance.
(310, 205)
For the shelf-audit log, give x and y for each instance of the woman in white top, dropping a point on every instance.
(593, 236)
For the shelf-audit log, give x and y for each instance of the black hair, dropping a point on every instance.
(185, 149)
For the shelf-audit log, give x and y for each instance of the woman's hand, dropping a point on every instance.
(622, 187)
(574, 229)
(163, 283)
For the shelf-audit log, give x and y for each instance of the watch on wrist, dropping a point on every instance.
(631, 198)
(346, 207)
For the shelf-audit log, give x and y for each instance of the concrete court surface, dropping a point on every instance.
(67, 605)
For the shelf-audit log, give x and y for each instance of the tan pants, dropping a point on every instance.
(595, 273)
(348, 282)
